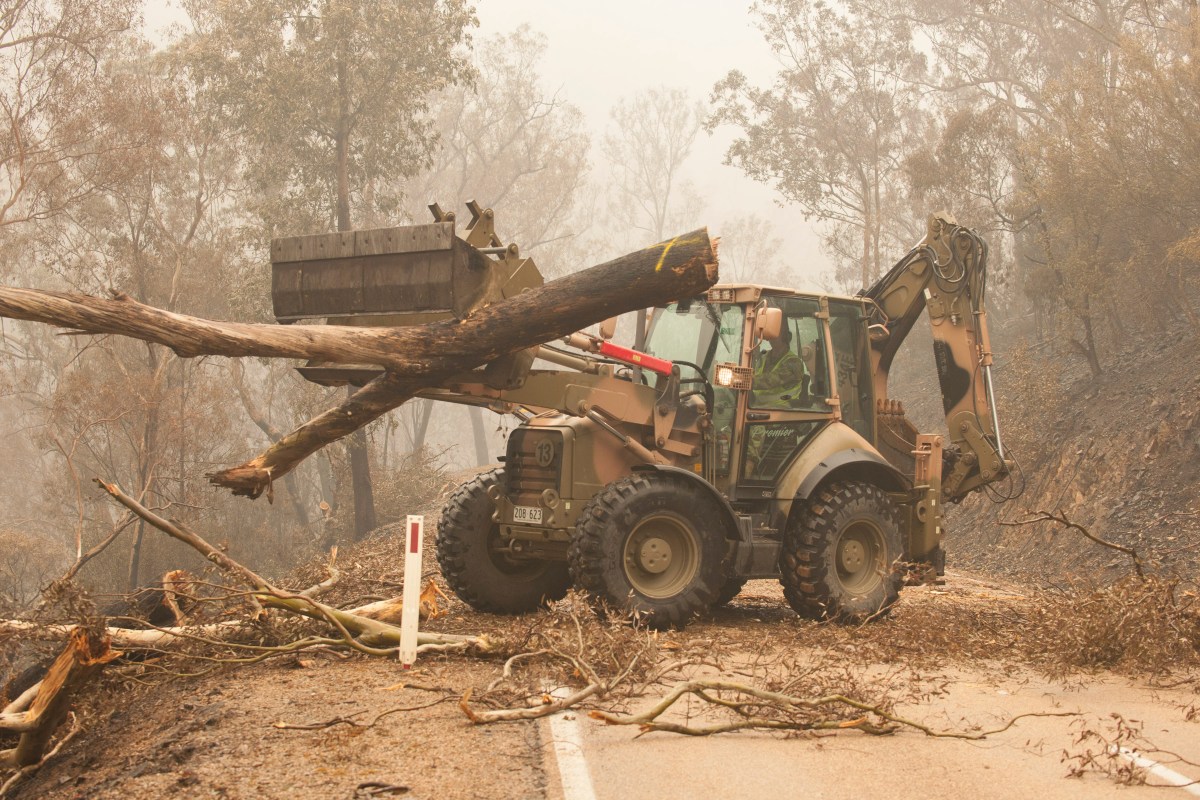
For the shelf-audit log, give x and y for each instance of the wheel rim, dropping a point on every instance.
(860, 556)
(662, 556)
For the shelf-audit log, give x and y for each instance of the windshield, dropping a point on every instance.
(693, 331)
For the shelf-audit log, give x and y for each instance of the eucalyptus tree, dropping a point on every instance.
(333, 101)
(1072, 125)
(649, 138)
(832, 130)
(57, 106)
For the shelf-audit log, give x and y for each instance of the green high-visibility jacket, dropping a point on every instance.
(784, 377)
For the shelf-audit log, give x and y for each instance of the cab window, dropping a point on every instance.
(853, 367)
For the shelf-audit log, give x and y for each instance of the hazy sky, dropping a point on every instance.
(600, 52)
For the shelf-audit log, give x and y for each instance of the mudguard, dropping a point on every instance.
(733, 526)
(837, 451)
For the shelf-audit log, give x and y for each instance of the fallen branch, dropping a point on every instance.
(1061, 519)
(192, 540)
(21, 702)
(791, 713)
(390, 609)
(596, 686)
(117, 530)
(349, 718)
(26, 771)
(331, 580)
(126, 638)
(547, 707)
(361, 633)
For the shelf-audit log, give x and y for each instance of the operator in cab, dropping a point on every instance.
(780, 376)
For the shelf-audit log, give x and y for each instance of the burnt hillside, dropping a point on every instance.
(1119, 454)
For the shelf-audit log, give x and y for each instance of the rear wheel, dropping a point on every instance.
(651, 544)
(477, 569)
(840, 554)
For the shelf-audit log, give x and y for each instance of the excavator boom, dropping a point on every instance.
(946, 276)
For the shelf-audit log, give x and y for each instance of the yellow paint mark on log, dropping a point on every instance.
(662, 258)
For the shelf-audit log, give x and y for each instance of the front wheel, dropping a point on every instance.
(840, 553)
(477, 569)
(729, 590)
(651, 544)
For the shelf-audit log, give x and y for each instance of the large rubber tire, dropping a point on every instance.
(729, 590)
(840, 554)
(484, 578)
(651, 544)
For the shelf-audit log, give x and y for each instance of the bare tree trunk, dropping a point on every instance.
(423, 415)
(356, 445)
(135, 559)
(866, 232)
(145, 466)
(360, 481)
(481, 448)
(1087, 347)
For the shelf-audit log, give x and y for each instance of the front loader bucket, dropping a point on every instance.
(416, 269)
(407, 275)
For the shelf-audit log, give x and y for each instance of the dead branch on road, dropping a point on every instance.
(571, 645)
(759, 709)
(348, 719)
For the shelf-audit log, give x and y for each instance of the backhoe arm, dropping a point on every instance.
(946, 275)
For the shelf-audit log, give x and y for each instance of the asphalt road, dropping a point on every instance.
(1023, 762)
(586, 759)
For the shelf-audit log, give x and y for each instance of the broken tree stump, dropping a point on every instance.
(85, 653)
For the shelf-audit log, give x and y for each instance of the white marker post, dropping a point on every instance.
(410, 614)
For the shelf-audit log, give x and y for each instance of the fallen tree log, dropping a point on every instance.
(414, 357)
(357, 630)
(128, 638)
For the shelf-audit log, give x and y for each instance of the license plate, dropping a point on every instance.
(527, 514)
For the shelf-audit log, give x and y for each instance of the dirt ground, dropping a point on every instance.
(382, 732)
(215, 737)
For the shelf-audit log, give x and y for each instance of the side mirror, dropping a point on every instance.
(768, 324)
(608, 328)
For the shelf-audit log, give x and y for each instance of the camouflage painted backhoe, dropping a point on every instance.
(661, 480)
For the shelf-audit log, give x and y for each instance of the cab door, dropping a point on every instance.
(778, 421)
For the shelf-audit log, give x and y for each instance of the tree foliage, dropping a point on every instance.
(332, 96)
(58, 106)
(831, 132)
(650, 137)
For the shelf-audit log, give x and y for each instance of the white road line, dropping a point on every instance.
(1162, 772)
(567, 736)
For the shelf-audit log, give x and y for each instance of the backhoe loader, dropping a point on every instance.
(661, 478)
